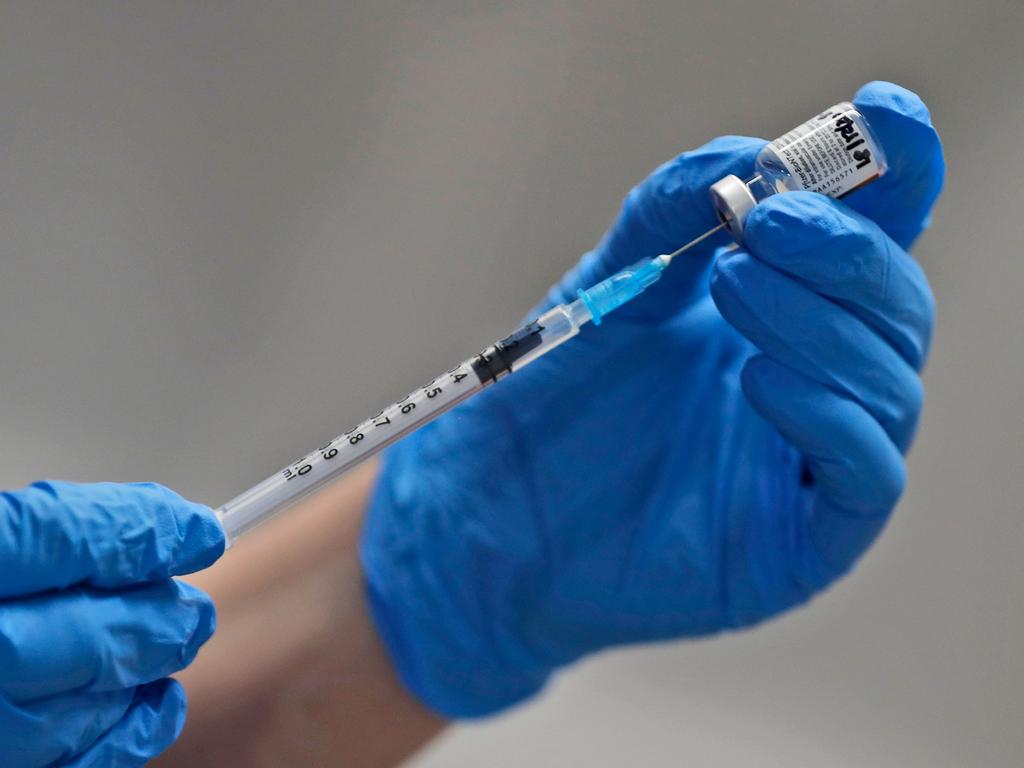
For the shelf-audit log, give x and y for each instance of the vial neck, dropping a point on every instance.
(759, 187)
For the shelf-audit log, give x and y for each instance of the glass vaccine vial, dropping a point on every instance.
(833, 153)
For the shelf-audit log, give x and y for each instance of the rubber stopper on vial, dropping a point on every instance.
(733, 201)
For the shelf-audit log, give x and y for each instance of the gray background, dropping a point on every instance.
(228, 230)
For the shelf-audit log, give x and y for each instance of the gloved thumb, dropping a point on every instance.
(669, 208)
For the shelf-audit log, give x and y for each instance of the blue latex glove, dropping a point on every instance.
(91, 622)
(704, 460)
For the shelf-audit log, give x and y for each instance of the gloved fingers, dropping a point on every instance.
(90, 640)
(857, 469)
(51, 731)
(819, 339)
(845, 256)
(902, 199)
(56, 534)
(671, 207)
(153, 724)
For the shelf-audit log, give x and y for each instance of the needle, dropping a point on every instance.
(666, 258)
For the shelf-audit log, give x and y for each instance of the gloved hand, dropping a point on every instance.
(706, 459)
(91, 622)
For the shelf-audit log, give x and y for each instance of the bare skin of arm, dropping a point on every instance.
(296, 674)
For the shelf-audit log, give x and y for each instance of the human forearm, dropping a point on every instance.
(296, 674)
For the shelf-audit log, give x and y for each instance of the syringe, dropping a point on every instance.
(424, 404)
(833, 153)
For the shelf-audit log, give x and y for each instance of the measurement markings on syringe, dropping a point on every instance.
(382, 424)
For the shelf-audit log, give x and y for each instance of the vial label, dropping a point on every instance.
(831, 153)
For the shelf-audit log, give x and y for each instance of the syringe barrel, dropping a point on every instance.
(833, 153)
(330, 461)
(422, 405)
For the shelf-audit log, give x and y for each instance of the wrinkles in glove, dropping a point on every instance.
(92, 622)
(714, 454)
